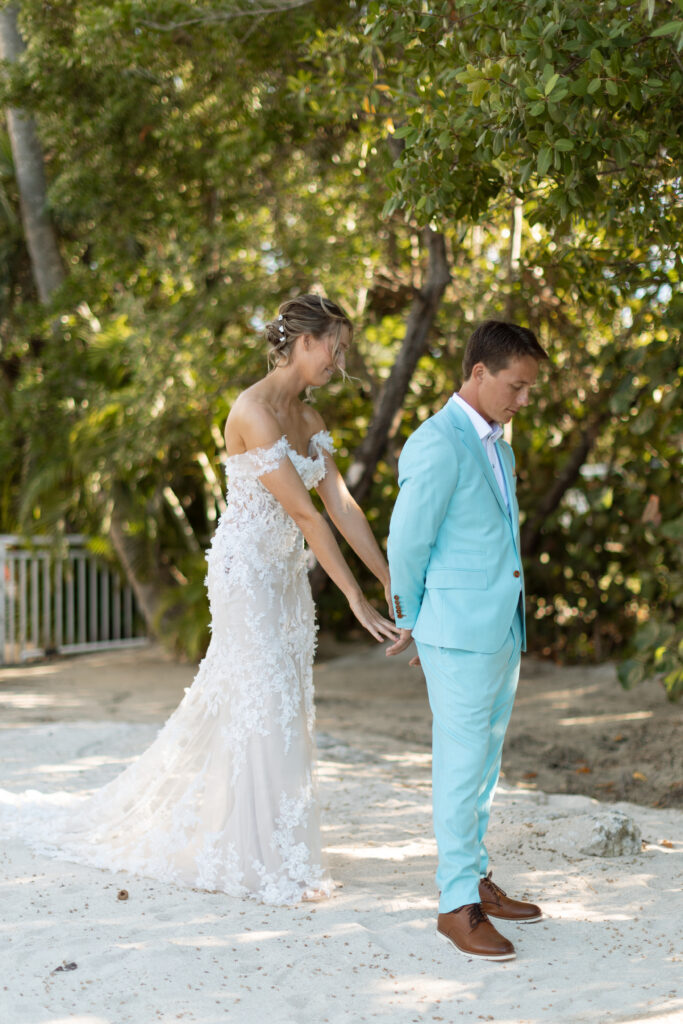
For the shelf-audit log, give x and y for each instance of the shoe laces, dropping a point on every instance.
(491, 885)
(476, 915)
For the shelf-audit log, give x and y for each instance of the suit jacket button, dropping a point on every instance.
(516, 572)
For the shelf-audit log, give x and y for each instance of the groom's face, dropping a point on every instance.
(504, 393)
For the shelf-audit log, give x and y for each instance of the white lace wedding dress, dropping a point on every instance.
(224, 798)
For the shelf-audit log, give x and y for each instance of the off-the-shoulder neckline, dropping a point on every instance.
(293, 450)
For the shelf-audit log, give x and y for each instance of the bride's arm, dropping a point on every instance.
(349, 518)
(285, 484)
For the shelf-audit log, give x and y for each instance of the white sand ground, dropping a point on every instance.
(610, 949)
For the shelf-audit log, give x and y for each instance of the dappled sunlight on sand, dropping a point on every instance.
(27, 701)
(558, 699)
(605, 951)
(260, 936)
(31, 671)
(84, 764)
(398, 852)
(627, 716)
(73, 1018)
(447, 991)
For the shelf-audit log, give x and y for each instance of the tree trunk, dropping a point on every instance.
(46, 262)
(418, 326)
(514, 254)
(420, 321)
(130, 553)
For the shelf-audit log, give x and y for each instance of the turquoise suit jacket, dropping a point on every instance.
(453, 549)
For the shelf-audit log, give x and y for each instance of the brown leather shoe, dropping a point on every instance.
(497, 904)
(472, 934)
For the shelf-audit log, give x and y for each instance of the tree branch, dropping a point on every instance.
(254, 11)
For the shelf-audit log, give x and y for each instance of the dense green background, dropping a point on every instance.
(206, 160)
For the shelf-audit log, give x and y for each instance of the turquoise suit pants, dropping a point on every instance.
(471, 696)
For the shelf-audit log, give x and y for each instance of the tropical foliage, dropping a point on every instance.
(425, 164)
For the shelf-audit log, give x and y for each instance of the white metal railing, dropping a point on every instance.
(60, 598)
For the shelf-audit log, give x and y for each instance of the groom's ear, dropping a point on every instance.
(478, 372)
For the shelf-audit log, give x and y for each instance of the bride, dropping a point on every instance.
(224, 799)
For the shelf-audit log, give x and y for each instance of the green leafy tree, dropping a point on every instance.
(189, 201)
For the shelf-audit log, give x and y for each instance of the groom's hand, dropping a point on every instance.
(405, 639)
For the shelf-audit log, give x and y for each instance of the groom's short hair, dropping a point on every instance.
(495, 342)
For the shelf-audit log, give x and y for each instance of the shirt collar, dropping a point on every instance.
(486, 431)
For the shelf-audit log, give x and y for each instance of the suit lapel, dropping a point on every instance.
(475, 445)
(507, 464)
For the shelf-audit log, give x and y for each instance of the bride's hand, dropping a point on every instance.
(381, 628)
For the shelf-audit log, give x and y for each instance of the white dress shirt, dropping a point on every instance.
(489, 434)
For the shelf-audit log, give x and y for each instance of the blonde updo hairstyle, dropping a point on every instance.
(305, 314)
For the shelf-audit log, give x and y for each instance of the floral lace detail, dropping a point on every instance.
(225, 798)
(283, 887)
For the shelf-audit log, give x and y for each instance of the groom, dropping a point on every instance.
(458, 590)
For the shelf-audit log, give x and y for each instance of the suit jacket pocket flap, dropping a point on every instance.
(456, 579)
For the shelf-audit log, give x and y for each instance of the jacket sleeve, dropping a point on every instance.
(428, 474)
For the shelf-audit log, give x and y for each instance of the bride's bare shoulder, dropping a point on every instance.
(251, 423)
(312, 419)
